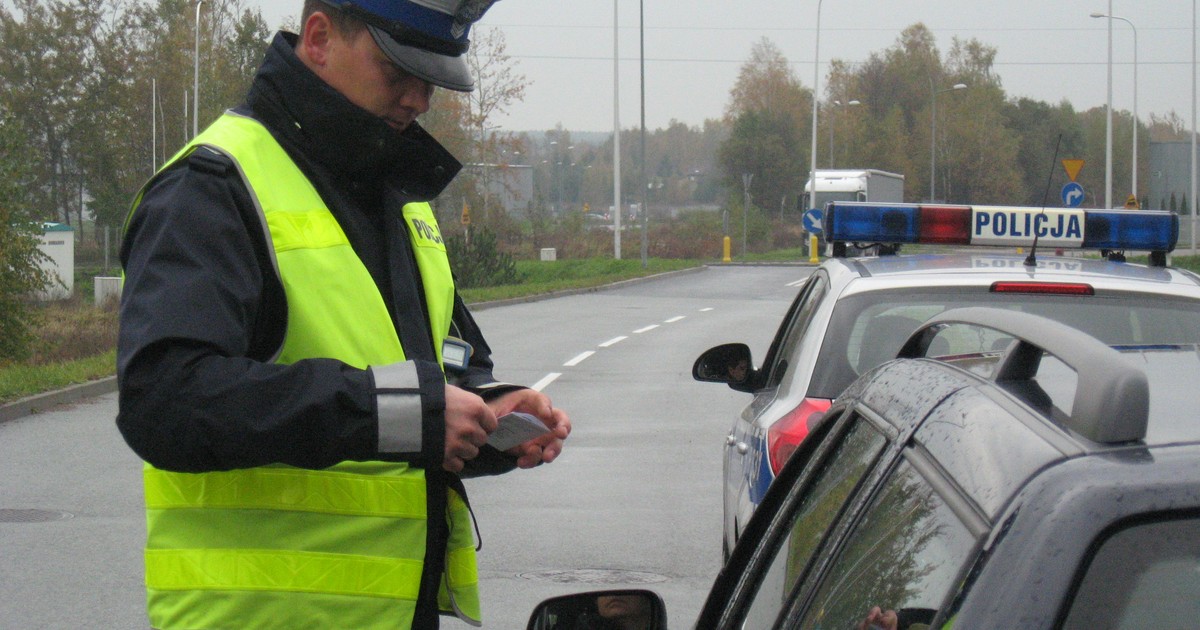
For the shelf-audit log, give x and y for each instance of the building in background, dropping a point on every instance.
(1170, 176)
(509, 187)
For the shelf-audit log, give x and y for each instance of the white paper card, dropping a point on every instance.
(516, 428)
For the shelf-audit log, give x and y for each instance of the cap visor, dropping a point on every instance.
(440, 70)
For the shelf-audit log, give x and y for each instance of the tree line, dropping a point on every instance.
(882, 113)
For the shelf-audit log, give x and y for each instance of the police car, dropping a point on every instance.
(853, 313)
(1052, 483)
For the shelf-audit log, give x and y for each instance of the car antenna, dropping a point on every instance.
(1031, 259)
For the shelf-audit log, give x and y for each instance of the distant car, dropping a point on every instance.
(1053, 483)
(853, 313)
(597, 221)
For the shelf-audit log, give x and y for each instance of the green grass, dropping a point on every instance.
(18, 381)
(547, 277)
(794, 254)
(1191, 263)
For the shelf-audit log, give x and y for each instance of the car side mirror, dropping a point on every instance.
(729, 363)
(601, 610)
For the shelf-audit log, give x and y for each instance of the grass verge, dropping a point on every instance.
(18, 381)
(547, 277)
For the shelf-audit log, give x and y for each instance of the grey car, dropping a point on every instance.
(1053, 482)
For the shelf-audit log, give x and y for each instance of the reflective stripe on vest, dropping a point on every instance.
(284, 547)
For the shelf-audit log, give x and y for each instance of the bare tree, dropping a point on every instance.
(498, 86)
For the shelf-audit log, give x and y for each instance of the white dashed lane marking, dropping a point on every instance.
(546, 380)
(612, 341)
(579, 358)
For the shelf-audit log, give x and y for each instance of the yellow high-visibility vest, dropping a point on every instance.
(283, 547)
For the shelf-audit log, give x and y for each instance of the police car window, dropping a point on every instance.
(906, 554)
(867, 329)
(785, 351)
(833, 485)
(1145, 576)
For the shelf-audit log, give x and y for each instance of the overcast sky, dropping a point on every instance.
(1047, 49)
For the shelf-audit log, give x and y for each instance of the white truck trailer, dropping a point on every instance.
(865, 184)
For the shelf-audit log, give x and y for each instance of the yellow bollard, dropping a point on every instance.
(725, 251)
(812, 249)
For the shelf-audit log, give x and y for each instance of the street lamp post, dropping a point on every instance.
(812, 164)
(1108, 122)
(196, 76)
(556, 161)
(746, 179)
(645, 184)
(616, 137)
(933, 91)
(845, 105)
(1134, 176)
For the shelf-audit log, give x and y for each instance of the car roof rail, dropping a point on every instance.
(1112, 396)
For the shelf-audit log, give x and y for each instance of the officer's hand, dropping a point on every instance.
(469, 420)
(543, 449)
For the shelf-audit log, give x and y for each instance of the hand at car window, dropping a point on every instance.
(879, 619)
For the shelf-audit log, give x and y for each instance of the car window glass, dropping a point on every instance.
(797, 326)
(905, 555)
(840, 473)
(785, 324)
(1145, 576)
(868, 328)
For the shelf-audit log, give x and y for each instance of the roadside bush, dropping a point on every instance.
(73, 329)
(477, 262)
(20, 272)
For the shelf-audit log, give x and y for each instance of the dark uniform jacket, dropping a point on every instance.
(203, 312)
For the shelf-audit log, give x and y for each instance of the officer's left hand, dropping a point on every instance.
(546, 448)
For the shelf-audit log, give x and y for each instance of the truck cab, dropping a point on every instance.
(853, 185)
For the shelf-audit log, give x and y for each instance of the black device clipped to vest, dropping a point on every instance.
(456, 354)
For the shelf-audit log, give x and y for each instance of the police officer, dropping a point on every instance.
(286, 305)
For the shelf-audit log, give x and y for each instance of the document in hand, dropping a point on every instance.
(516, 428)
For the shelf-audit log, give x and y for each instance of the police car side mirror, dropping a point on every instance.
(601, 610)
(729, 363)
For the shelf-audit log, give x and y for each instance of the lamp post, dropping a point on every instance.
(196, 76)
(933, 91)
(812, 163)
(1108, 122)
(1134, 175)
(746, 179)
(845, 105)
(556, 163)
(616, 138)
(645, 184)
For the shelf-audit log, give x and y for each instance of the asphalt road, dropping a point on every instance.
(633, 501)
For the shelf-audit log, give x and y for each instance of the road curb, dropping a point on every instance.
(38, 403)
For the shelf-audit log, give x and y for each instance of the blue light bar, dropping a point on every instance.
(1131, 229)
(871, 223)
(859, 222)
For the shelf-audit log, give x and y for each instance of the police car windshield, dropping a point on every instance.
(868, 329)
